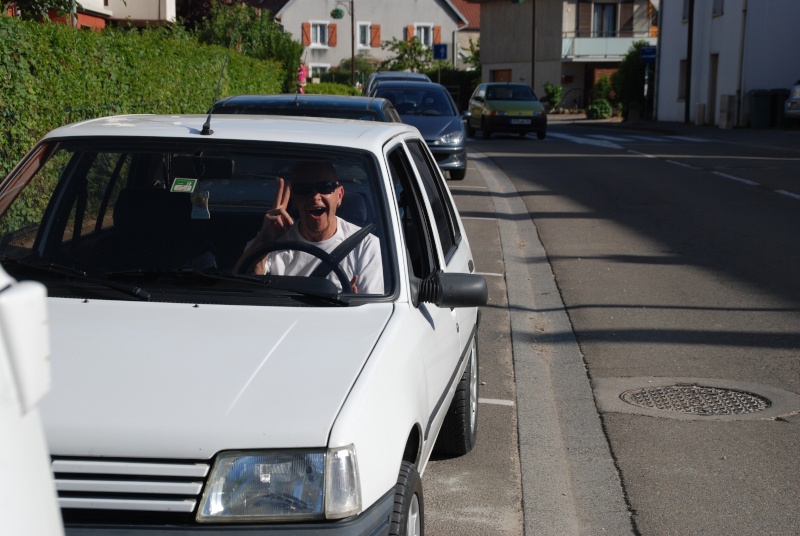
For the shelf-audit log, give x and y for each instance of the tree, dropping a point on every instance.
(37, 9)
(257, 36)
(628, 82)
(192, 12)
(474, 58)
(409, 55)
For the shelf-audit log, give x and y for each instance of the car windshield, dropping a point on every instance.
(104, 218)
(510, 93)
(417, 101)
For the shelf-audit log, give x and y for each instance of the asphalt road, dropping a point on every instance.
(632, 259)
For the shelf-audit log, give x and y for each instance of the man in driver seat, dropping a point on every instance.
(315, 193)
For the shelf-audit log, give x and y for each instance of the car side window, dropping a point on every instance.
(414, 220)
(443, 211)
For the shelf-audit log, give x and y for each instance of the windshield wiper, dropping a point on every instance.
(318, 288)
(49, 267)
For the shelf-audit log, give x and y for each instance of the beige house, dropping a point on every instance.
(571, 43)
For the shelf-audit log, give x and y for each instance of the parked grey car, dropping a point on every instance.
(339, 106)
(375, 78)
(430, 108)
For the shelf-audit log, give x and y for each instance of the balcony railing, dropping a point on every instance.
(601, 48)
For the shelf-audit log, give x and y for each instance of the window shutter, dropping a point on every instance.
(375, 35)
(409, 33)
(331, 35)
(306, 33)
(626, 18)
(585, 18)
(437, 35)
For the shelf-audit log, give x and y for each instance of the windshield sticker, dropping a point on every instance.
(183, 185)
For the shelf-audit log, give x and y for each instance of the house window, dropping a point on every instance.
(363, 35)
(718, 7)
(424, 32)
(317, 70)
(604, 23)
(319, 33)
(682, 81)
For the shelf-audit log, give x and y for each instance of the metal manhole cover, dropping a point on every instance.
(696, 400)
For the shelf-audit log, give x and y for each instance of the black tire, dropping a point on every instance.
(460, 427)
(408, 517)
(470, 130)
(458, 174)
(485, 131)
(542, 134)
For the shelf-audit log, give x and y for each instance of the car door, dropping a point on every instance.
(476, 106)
(453, 244)
(437, 327)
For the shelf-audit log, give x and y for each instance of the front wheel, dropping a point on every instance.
(541, 135)
(460, 427)
(458, 174)
(408, 517)
(470, 130)
(484, 130)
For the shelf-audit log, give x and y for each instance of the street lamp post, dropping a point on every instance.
(337, 14)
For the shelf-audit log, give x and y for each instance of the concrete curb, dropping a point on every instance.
(570, 485)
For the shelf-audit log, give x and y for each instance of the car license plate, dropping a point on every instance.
(520, 121)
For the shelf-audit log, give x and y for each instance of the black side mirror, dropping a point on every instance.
(451, 290)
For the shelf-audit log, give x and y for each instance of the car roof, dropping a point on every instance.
(408, 84)
(399, 75)
(307, 101)
(506, 84)
(280, 129)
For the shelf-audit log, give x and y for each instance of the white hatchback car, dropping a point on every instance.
(192, 395)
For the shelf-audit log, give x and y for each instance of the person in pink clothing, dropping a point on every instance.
(302, 74)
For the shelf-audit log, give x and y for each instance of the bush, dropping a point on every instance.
(553, 95)
(599, 109)
(53, 75)
(330, 88)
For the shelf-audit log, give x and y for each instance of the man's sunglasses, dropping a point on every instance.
(322, 187)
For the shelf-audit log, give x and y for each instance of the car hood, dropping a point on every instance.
(433, 127)
(165, 380)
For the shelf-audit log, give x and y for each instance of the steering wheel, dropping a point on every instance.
(257, 254)
(330, 261)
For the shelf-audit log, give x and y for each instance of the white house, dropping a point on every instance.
(363, 26)
(737, 47)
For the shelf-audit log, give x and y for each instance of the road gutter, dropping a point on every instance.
(570, 485)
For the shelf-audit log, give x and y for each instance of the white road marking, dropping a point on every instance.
(645, 138)
(688, 138)
(608, 138)
(681, 164)
(496, 401)
(789, 194)
(734, 178)
(584, 141)
(490, 274)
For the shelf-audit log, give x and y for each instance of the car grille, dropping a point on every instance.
(125, 485)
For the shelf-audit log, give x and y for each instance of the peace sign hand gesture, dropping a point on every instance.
(277, 222)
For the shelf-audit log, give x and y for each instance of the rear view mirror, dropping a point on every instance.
(202, 167)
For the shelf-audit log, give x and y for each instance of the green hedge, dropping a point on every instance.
(51, 75)
(330, 88)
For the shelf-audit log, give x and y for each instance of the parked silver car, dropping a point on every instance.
(430, 108)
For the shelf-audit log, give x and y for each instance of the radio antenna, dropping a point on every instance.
(207, 125)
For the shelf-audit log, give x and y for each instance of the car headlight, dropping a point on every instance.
(538, 114)
(450, 138)
(251, 486)
(499, 112)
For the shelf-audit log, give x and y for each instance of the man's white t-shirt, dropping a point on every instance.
(364, 260)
